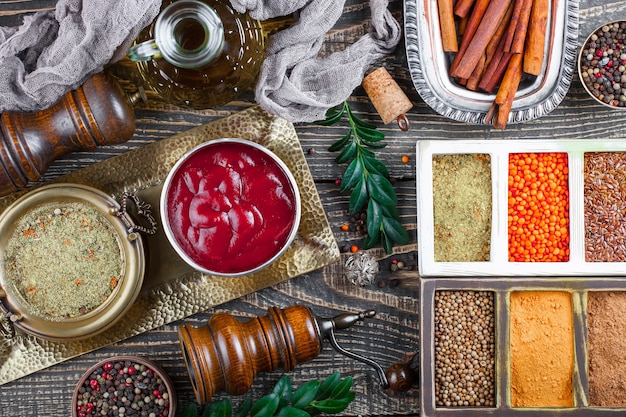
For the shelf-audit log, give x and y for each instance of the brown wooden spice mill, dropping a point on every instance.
(227, 354)
(96, 114)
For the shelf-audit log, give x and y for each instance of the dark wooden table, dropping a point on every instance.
(393, 333)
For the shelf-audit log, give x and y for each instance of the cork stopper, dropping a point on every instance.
(388, 98)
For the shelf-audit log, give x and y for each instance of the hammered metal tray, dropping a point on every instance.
(537, 96)
(171, 289)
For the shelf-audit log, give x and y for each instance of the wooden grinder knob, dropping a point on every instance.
(227, 354)
(97, 113)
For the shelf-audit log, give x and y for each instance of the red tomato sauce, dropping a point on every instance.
(231, 208)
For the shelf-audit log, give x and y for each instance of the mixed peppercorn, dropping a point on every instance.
(603, 64)
(123, 388)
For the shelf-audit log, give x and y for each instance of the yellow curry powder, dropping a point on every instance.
(541, 349)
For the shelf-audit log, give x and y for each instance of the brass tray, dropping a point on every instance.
(171, 289)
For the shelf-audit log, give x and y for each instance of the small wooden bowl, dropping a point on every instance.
(100, 370)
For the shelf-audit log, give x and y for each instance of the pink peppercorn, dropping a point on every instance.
(94, 384)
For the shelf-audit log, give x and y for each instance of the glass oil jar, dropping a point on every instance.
(199, 54)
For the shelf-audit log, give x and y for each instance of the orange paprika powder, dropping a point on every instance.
(538, 207)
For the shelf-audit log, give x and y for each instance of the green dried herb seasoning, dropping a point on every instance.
(64, 259)
(462, 207)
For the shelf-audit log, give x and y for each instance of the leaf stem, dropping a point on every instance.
(367, 178)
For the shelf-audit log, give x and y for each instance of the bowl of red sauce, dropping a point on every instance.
(230, 207)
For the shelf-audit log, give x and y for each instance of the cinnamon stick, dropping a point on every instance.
(492, 46)
(474, 79)
(480, 6)
(462, 7)
(508, 88)
(489, 23)
(490, 84)
(510, 32)
(535, 39)
(448, 29)
(517, 47)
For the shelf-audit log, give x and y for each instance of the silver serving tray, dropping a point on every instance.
(537, 95)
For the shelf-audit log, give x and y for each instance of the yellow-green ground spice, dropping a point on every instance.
(462, 204)
(64, 259)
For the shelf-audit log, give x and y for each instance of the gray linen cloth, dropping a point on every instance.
(56, 51)
(294, 82)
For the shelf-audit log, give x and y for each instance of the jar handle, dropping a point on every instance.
(144, 210)
(144, 51)
(7, 329)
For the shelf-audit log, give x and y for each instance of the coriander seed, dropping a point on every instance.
(464, 334)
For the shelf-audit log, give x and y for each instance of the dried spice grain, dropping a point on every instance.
(605, 206)
(538, 207)
(123, 388)
(603, 64)
(464, 338)
(64, 259)
(462, 207)
(606, 331)
(541, 348)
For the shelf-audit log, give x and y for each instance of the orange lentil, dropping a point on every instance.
(354, 248)
(405, 159)
(538, 207)
(345, 227)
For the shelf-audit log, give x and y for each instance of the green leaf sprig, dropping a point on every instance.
(368, 178)
(330, 396)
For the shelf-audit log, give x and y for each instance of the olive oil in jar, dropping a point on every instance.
(200, 54)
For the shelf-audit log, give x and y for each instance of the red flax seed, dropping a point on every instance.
(538, 207)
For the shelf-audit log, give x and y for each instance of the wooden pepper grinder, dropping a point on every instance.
(227, 354)
(97, 113)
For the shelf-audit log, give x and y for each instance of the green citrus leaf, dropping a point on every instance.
(352, 175)
(333, 115)
(386, 242)
(283, 390)
(358, 197)
(389, 211)
(358, 121)
(292, 412)
(342, 388)
(367, 152)
(348, 153)
(369, 243)
(327, 386)
(334, 406)
(340, 143)
(375, 166)
(381, 190)
(244, 408)
(219, 408)
(373, 220)
(395, 231)
(374, 145)
(369, 134)
(266, 406)
(305, 394)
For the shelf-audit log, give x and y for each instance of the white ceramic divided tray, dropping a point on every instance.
(498, 263)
